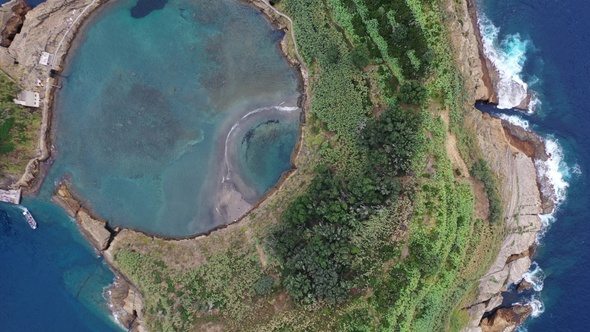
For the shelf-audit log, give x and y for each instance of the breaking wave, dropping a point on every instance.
(535, 276)
(515, 120)
(508, 57)
(537, 305)
(554, 172)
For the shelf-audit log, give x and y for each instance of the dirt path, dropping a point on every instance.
(452, 149)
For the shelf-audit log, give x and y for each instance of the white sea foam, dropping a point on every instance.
(537, 305)
(554, 171)
(535, 276)
(508, 57)
(576, 170)
(515, 120)
(546, 220)
(553, 174)
(237, 125)
(534, 104)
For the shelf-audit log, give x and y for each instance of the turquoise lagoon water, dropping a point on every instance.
(145, 112)
(154, 115)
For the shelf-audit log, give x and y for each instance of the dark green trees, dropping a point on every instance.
(313, 239)
(413, 93)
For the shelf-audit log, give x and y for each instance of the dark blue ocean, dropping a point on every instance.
(546, 44)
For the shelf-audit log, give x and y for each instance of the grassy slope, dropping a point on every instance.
(19, 128)
(421, 255)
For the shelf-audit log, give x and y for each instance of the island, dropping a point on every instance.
(406, 209)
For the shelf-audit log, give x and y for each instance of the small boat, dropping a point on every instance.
(29, 217)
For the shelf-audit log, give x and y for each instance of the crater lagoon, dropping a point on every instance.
(175, 117)
(167, 108)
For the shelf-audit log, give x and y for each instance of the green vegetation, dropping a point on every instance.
(375, 231)
(229, 280)
(481, 171)
(413, 93)
(19, 127)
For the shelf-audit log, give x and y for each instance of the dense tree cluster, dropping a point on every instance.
(313, 241)
(413, 93)
(391, 141)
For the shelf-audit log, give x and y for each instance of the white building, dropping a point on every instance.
(46, 59)
(27, 98)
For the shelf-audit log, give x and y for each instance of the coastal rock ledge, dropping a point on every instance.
(94, 230)
(511, 153)
(126, 304)
(506, 319)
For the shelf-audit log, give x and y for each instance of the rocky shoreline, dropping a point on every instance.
(511, 153)
(489, 73)
(49, 27)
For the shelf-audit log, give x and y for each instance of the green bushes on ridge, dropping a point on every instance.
(481, 171)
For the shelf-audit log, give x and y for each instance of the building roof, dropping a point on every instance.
(27, 98)
(45, 58)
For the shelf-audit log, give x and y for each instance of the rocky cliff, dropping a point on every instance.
(506, 319)
(94, 230)
(126, 304)
(468, 48)
(510, 152)
(12, 18)
(523, 204)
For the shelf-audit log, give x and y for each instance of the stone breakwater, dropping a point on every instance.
(511, 153)
(45, 27)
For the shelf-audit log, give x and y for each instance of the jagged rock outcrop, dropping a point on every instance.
(506, 319)
(126, 304)
(12, 19)
(93, 229)
(524, 286)
(525, 140)
(469, 54)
